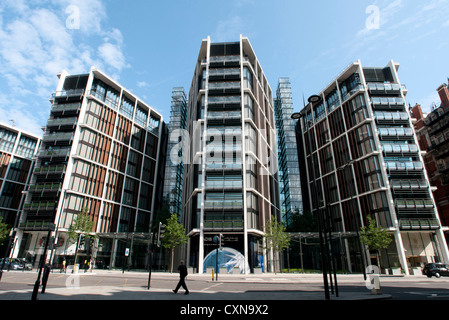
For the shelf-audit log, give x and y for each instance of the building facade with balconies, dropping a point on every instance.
(100, 151)
(432, 130)
(18, 151)
(362, 161)
(231, 184)
(288, 165)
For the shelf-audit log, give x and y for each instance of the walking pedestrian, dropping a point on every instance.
(182, 275)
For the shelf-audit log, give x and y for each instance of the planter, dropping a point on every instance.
(223, 270)
(190, 270)
(257, 270)
(396, 271)
(236, 271)
(416, 271)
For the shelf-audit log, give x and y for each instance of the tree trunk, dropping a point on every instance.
(172, 254)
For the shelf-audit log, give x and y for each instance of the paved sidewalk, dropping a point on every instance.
(311, 282)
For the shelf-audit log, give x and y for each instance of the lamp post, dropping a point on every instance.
(42, 262)
(296, 116)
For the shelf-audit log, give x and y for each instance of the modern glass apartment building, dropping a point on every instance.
(100, 151)
(289, 177)
(18, 150)
(363, 160)
(231, 184)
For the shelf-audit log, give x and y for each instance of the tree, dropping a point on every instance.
(275, 237)
(81, 226)
(4, 231)
(375, 238)
(175, 235)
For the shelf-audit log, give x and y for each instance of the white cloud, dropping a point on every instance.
(36, 44)
(228, 30)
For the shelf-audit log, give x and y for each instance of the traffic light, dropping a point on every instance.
(81, 242)
(160, 234)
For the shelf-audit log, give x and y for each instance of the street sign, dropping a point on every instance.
(127, 252)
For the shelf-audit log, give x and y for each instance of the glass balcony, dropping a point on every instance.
(224, 73)
(40, 206)
(224, 85)
(224, 100)
(386, 88)
(220, 184)
(395, 132)
(64, 122)
(409, 184)
(223, 224)
(54, 153)
(391, 117)
(220, 59)
(68, 107)
(68, 93)
(404, 166)
(45, 187)
(223, 204)
(224, 115)
(390, 103)
(60, 136)
(414, 203)
(399, 148)
(418, 224)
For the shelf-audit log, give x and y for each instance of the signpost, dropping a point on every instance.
(217, 240)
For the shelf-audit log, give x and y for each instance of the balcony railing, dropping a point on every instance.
(404, 166)
(64, 122)
(54, 153)
(40, 206)
(60, 136)
(396, 132)
(223, 204)
(37, 225)
(50, 170)
(409, 184)
(386, 88)
(414, 203)
(45, 187)
(68, 93)
(223, 224)
(418, 224)
(224, 184)
(66, 107)
(399, 148)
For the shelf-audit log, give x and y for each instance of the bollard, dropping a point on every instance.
(212, 274)
(376, 285)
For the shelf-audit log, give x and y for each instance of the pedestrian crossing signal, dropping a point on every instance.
(160, 234)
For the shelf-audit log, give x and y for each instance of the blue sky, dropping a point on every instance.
(152, 46)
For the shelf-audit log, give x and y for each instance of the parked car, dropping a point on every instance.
(11, 264)
(436, 270)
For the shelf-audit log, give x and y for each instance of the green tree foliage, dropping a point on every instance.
(174, 236)
(276, 238)
(81, 226)
(304, 222)
(375, 238)
(4, 231)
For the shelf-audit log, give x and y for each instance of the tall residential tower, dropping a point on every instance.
(363, 161)
(231, 186)
(100, 151)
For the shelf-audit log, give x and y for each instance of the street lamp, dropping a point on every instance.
(296, 116)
